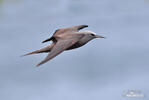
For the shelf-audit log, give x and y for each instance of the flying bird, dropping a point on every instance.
(65, 39)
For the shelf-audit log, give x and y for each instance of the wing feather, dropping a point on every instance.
(61, 46)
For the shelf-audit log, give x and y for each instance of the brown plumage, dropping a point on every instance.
(65, 39)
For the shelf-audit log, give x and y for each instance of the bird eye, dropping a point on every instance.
(93, 34)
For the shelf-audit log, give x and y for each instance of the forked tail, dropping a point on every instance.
(34, 52)
(43, 50)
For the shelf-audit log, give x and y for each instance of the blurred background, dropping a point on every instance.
(101, 70)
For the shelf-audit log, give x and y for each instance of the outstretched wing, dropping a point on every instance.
(49, 39)
(69, 29)
(61, 46)
(65, 30)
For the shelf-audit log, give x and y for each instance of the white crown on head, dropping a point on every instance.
(90, 32)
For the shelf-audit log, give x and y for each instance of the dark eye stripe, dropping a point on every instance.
(93, 34)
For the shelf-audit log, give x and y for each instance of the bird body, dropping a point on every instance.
(65, 39)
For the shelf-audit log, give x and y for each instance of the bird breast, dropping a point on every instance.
(85, 40)
(80, 43)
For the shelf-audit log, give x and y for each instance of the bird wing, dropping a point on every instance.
(49, 39)
(69, 29)
(65, 30)
(61, 46)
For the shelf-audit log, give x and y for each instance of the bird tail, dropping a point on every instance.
(46, 49)
(34, 52)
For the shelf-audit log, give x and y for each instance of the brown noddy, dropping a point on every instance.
(65, 39)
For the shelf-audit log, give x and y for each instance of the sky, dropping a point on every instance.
(101, 70)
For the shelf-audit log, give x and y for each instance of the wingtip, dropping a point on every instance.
(23, 55)
(85, 25)
(81, 27)
(39, 64)
(44, 41)
(49, 39)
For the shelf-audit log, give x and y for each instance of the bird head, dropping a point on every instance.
(93, 35)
